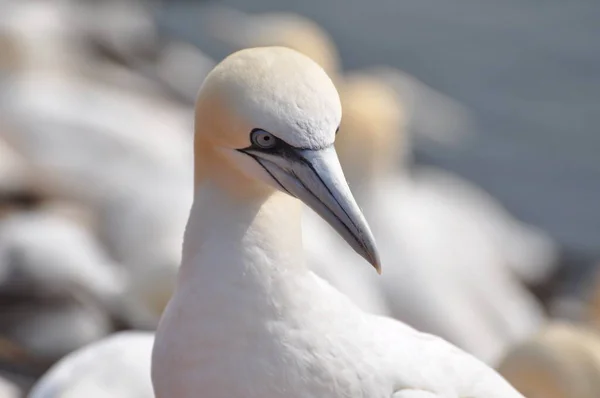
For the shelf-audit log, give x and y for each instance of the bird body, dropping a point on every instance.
(445, 269)
(141, 193)
(117, 366)
(327, 255)
(248, 318)
(255, 313)
(58, 289)
(444, 277)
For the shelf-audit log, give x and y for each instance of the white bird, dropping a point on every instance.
(38, 32)
(141, 181)
(375, 124)
(446, 275)
(369, 131)
(325, 250)
(248, 318)
(9, 389)
(115, 367)
(327, 255)
(57, 287)
(74, 122)
(527, 251)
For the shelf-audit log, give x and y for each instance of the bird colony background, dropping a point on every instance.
(469, 137)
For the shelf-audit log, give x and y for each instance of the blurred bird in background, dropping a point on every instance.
(563, 360)
(96, 125)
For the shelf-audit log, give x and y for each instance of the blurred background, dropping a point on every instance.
(469, 136)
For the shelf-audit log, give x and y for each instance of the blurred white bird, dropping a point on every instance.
(446, 274)
(240, 30)
(528, 251)
(76, 122)
(141, 190)
(126, 31)
(59, 290)
(117, 366)
(247, 317)
(39, 32)
(373, 117)
(9, 390)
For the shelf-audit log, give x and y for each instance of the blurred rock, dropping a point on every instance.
(117, 366)
(563, 361)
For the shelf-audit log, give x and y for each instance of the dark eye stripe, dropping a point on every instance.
(279, 145)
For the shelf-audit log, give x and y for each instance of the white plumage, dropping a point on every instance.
(445, 269)
(63, 288)
(72, 133)
(247, 317)
(327, 255)
(437, 270)
(115, 367)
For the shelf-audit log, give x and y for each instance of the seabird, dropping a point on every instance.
(445, 273)
(247, 317)
(116, 366)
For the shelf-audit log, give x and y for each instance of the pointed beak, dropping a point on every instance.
(316, 178)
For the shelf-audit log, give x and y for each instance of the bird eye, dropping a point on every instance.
(262, 139)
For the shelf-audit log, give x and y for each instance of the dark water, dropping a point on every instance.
(529, 70)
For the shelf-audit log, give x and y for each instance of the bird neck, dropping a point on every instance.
(239, 231)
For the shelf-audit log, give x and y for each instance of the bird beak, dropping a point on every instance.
(316, 178)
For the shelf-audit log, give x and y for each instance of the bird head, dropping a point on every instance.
(373, 130)
(270, 116)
